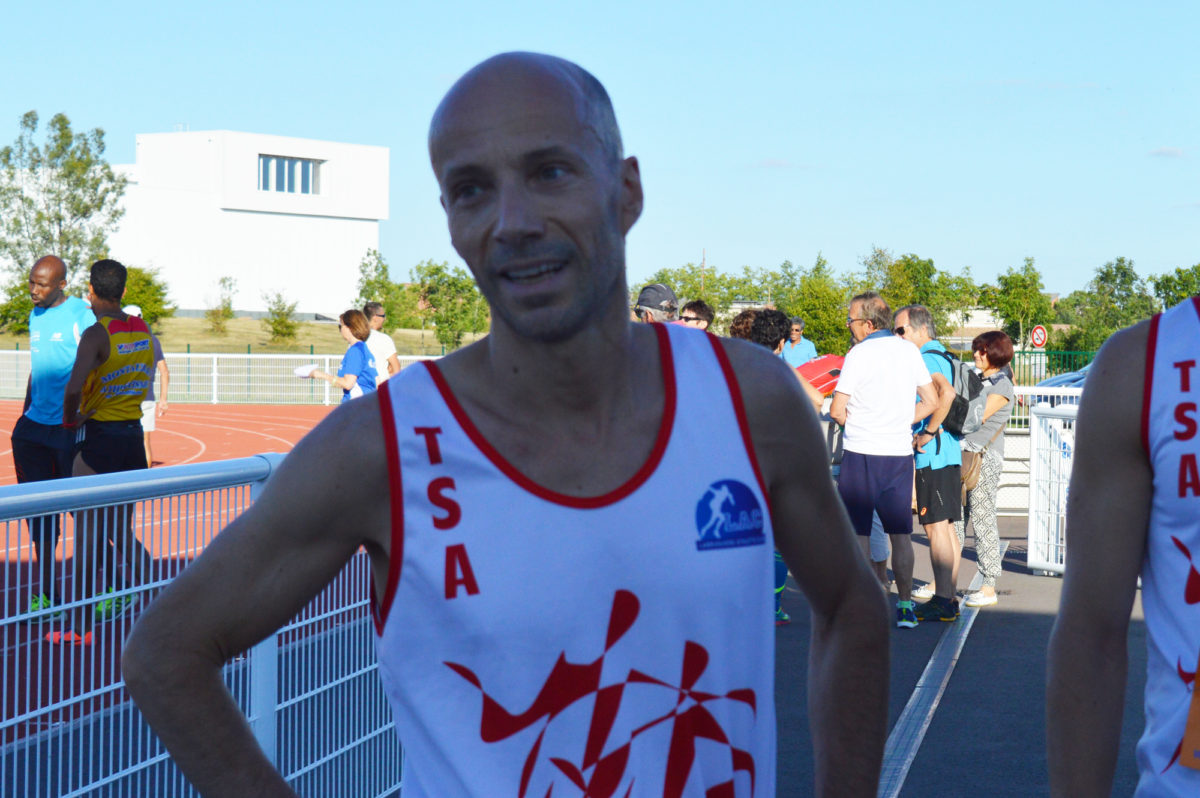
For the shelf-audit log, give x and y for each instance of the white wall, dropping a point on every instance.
(194, 212)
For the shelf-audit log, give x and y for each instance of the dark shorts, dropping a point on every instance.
(872, 483)
(42, 451)
(111, 446)
(939, 494)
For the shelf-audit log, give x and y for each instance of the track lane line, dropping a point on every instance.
(909, 731)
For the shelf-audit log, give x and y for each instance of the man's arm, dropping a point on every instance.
(393, 364)
(837, 408)
(328, 498)
(1086, 666)
(28, 394)
(928, 403)
(848, 669)
(816, 397)
(943, 393)
(92, 352)
(164, 382)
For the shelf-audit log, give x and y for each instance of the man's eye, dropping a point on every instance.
(551, 172)
(464, 191)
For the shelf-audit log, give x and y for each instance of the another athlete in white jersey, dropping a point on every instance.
(1134, 503)
(550, 616)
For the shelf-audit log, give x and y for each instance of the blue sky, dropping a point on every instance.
(972, 134)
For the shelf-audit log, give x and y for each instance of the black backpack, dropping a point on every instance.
(966, 413)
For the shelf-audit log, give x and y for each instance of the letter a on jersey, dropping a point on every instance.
(459, 572)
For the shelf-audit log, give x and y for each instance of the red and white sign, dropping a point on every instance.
(1037, 336)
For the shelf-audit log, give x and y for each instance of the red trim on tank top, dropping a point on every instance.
(1196, 306)
(667, 363)
(391, 442)
(739, 409)
(1148, 381)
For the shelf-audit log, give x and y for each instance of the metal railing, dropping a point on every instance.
(1052, 434)
(67, 726)
(219, 378)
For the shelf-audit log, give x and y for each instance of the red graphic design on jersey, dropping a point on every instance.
(1191, 595)
(599, 775)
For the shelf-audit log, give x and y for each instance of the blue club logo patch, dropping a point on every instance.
(728, 515)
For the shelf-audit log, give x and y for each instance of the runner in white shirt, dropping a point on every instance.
(574, 413)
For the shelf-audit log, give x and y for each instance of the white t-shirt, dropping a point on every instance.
(381, 347)
(881, 377)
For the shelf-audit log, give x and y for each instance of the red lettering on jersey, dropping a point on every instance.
(439, 499)
(1188, 423)
(458, 572)
(431, 442)
(1185, 374)
(1189, 476)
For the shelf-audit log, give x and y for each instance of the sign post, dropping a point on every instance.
(1037, 336)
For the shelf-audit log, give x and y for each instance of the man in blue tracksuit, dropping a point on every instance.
(42, 448)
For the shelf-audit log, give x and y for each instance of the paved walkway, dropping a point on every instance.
(986, 734)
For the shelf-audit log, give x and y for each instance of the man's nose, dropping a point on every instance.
(519, 216)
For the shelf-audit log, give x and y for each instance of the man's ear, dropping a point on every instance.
(631, 193)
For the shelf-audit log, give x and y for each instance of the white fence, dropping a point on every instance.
(1052, 432)
(219, 378)
(67, 726)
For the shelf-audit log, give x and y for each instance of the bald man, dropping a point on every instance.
(42, 449)
(540, 613)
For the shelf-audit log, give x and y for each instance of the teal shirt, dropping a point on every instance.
(53, 339)
(948, 453)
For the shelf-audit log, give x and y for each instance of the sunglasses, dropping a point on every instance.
(690, 318)
(899, 331)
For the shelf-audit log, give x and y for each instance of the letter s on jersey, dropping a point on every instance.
(438, 498)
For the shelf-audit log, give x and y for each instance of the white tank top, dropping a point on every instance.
(619, 645)
(1170, 579)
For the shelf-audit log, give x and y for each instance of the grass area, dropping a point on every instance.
(182, 335)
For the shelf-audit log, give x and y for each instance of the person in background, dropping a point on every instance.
(798, 350)
(741, 324)
(655, 303)
(698, 314)
(992, 351)
(937, 458)
(357, 374)
(41, 447)
(383, 348)
(152, 407)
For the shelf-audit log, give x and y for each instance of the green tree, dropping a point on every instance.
(375, 285)
(1174, 287)
(57, 197)
(449, 297)
(912, 280)
(691, 281)
(1115, 298)
(144, 289)
(219, 315)
(1017, 298)
(280, 321)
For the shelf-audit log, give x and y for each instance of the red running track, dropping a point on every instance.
(201, 433)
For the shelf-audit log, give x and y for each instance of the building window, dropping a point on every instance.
(290, 175)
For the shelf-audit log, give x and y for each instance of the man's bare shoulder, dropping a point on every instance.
(1116, 379)
(764, 378)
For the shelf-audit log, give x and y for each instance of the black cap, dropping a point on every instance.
(657, 296)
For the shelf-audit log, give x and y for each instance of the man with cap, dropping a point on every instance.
(152, 408)
(656, 302)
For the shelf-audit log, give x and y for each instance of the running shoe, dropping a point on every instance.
(924, 592)
(115, 606)
(937, 608)
(69, 637)
(782, 618)
(905, 617)
(981, 599)
(39, 604)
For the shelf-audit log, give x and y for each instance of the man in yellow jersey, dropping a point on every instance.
(113, 370)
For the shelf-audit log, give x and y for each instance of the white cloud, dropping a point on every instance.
(775, 163)
(1167, 152)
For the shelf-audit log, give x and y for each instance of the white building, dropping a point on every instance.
(277, 214)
